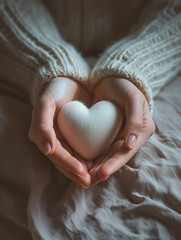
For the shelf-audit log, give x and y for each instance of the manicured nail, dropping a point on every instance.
(46, 148)
(131, 141)
(87, 180)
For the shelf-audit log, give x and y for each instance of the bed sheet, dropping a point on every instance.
(140, 201)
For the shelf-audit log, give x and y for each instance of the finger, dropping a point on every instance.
(77, 156)
(89, 164)
(120, 158)
(95, 171)
(77, 179)
(71, 175)
(120, 135)
(57, 132)
(99, 160)
(107, 154)
(134, 119)
(41, 130)
(61, 158)
(67, 147)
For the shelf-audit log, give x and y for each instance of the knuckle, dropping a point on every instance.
(135, 94)
(38, 129)
(136, 124)
(45, 100)
(33, 137)
(40, 103)
(31, 134)
(35, 134)
(42, 127)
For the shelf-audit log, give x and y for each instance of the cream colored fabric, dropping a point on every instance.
(33, 51)
(151, 55)
(141, 201)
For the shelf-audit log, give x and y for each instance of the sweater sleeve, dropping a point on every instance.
(150, 56)
(32, 52)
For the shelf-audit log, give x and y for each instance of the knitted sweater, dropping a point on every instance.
(142, 42)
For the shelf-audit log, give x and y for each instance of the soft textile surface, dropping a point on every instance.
(141, 201)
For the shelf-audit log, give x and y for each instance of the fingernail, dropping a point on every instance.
(131, 141)
(46, 148)
(87, 178)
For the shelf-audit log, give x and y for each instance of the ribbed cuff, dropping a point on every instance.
(69, 64)
(148, 61)
(127, 73)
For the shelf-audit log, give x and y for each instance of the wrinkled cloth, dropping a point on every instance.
(140, 201)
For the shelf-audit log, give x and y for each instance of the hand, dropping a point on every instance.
(43, 131)
(136, 130)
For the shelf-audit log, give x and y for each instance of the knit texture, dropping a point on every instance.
(32, 50)
(150, 57)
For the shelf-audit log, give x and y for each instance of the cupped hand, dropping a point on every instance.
(43, 130)
(137, 128)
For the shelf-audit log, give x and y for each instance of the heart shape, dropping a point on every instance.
(89, 131)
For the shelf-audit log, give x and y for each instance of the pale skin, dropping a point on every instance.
(138, 127)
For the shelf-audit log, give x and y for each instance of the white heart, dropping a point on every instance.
(89, 131)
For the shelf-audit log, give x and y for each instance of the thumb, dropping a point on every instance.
(134, 120)
(41, 129)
